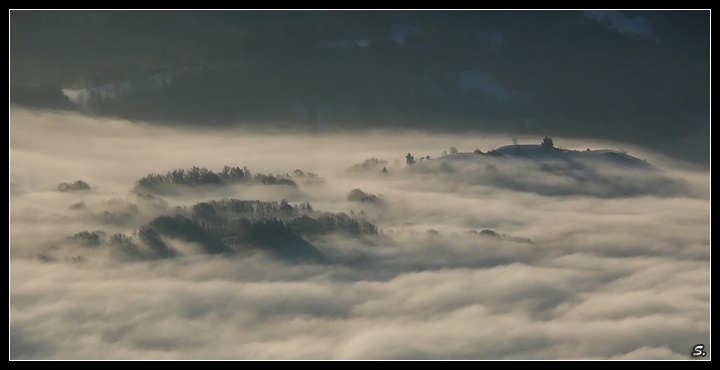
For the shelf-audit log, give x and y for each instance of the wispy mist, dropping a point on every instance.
(540, 261)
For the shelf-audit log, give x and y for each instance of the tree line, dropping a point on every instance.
(229, 226)
(196, 176)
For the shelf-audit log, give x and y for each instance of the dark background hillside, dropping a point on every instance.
(640, 77)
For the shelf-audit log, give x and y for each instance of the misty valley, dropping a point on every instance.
(359, 184)
(231, 226)
(168, 243)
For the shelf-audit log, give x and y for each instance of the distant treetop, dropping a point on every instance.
(77, 185)
(547, 144)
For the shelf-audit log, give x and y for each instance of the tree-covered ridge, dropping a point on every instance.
(369, 165)
(74, 186)
(227, 227)
(224, 217)
(198, 176)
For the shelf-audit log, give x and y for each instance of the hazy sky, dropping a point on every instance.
(569, 271)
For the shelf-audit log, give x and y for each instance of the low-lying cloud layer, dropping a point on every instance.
(475, 256)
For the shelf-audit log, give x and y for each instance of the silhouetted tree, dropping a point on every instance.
(89, 239)
(357, 195)
(285, 208)
(370, 164)
(77, 185)
(409, 159)
(120, 238)
(547, 144)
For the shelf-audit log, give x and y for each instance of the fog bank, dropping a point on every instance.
(482, 257)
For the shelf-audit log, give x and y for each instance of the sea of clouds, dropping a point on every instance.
(481, 258)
